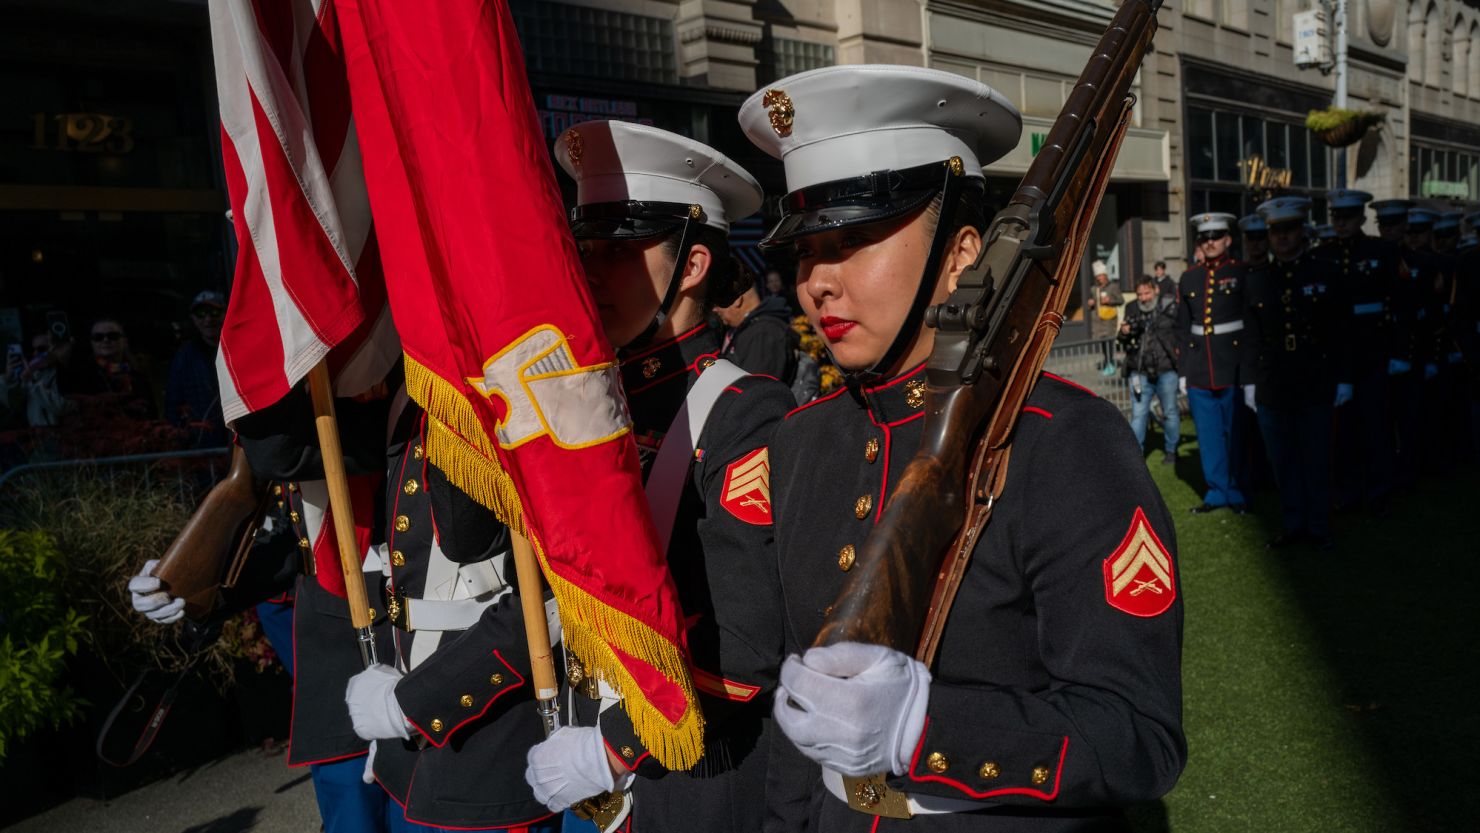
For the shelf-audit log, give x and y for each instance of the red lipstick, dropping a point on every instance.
(836, 328)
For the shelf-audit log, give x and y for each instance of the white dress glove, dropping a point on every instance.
(1249, 398)
(148, 599)
(368, 775)
(570, 766)
(1397, 367)
(1182, 385)
(373, 708)
(1343, 394)
(857, 709)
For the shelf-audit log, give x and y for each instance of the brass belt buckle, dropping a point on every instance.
(1290, 342)
(601, 810)
(1207, 329)
(397, 610)
(581, 681)
(871, 795)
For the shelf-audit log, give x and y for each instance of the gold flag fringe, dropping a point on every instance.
(457, 444)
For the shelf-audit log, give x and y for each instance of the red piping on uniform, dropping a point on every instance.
(834, 395)
(874, 828)
(910, 418)
(1031, 793)
(903, 377)
(405, 812)
(630, 768)
(1059, 378)
(653, 348)
(735, 389)
(484, 710)
(1039, 411)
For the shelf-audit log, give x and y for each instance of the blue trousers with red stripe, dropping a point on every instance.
(1217, 441)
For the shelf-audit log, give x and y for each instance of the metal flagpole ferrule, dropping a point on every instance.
(366, 639)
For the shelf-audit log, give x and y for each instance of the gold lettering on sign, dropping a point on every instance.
(82, 133)
(1259, 175)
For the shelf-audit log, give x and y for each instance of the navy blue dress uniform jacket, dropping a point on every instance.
(471, 703)
(1299, 323)
(280, 444)
(1057, 688)
(1368, 269)
(720, 554)
(1210, 300)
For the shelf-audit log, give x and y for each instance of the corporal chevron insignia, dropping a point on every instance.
(747, 492)
(1139, 577)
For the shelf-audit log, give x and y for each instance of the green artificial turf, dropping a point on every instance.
(1331, 691)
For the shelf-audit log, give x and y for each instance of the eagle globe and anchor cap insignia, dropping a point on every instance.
(747, 493)
(1139, 576)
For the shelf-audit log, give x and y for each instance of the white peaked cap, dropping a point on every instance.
(617, 161)
(847, 121)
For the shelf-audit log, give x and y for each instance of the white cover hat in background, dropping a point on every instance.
(616, 162)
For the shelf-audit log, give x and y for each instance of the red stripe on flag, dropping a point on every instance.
(259, 378)
(312, 272)
(328, 88)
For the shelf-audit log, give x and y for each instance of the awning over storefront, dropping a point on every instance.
(1145, 156)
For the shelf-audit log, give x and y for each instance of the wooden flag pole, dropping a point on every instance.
(341, 509)
(536, 631)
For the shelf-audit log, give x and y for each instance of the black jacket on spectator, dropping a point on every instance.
(1151, 344)
(765, 344)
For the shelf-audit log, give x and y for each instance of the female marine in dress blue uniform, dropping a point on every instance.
(1056, 693)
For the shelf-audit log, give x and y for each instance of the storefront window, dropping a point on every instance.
(1275, 151)
(1226, 142)
(1319, 162)
(1200, 143)
(1299, 163)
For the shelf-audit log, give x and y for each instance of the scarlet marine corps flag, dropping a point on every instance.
(502, 342)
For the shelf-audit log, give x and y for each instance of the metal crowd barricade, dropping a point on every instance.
(189, 483)
(1081, 363)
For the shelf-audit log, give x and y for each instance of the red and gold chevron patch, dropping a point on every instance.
(1139, 577)
(747, 493)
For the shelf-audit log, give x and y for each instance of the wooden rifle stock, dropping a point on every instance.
(209, 551)
(993, 335)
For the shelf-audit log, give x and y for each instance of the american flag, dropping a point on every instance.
(308, 278)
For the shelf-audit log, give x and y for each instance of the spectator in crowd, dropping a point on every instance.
(1148, 336)
(1164, 283)
(1104, 297)
(759, 338)
(192, 397)
(31, 384)
(779, 287)
(112, 372)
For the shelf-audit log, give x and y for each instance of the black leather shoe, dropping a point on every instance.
(1283, 540)
(1203, 509)
(1168, 458)
(1239, 508)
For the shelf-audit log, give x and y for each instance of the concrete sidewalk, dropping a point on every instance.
(248, 791)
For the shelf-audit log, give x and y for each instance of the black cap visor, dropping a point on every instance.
(629, 219)
(861, 200)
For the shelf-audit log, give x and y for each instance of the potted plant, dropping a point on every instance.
(1338, 127)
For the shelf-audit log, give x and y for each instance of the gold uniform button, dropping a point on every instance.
(989, 771)
(410, 487)
(1040, 776)
(914, 393)
(863, 506)
(937, 762)
(398, 558)
(373, 614)
(466, 700)
(417, 453)
(706, 364)
(303, 544)
(846, 556)
(292, 487)
(496, 679)
(277, 491)
(871, 450)
(294, 517)
(627, 752)
(436, 724)
(650, 367)
(403, 523)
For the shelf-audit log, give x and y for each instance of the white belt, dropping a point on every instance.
(1217, 329)
(923, 805)
(1367, 309)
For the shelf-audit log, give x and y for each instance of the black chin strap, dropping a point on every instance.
(950, 197)
(685, 240)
